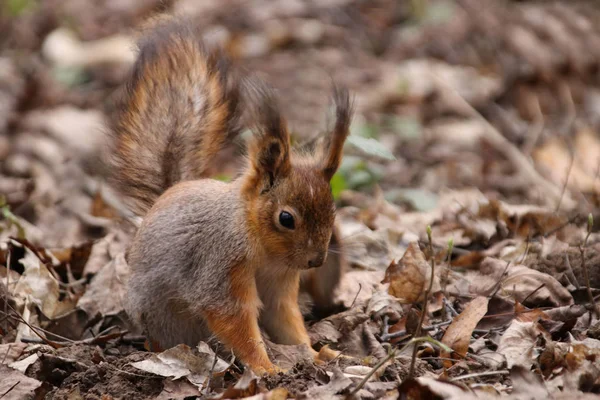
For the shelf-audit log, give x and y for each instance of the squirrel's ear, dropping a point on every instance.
(270, 148)
(334, 144)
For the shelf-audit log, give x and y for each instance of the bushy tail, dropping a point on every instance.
(180, 107)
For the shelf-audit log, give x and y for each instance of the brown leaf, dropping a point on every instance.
(555, 158)
(409, 278)
(520, 283)
(39, 286)
(181, 361)
(518, 343)
(106, 291)
(246, 386)
(458, 334)
(15, 385)
(338, 383)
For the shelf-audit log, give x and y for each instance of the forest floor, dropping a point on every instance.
(475, 151)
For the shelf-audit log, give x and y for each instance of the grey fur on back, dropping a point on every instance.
(181, 260)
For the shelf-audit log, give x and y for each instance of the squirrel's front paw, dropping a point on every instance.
(327, 354)
(267, 370)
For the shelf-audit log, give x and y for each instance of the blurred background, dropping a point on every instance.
(501, 96)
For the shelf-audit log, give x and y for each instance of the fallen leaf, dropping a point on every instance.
(181, 361)
(9, 352)
(38, 286)
(527, 384)
(337, 384)
(16, 386)
(178, 389)
(23, 364)
(555, 158)
(245, 387)
(409, 278)
(458, 334)
(106, 291)
(518, 344)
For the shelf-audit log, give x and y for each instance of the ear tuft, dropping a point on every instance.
(270, 147)
(344, 109)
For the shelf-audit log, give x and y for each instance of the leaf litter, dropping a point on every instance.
(482, 126)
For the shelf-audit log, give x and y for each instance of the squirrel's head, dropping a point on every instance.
(289, 201)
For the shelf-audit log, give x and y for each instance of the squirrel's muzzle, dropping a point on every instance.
(316, 260)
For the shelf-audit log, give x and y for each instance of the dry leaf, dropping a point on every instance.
(246, 386)
(23, 364)
(181, 361)
(458, 334)
(409, 278)
(106, 291)
(10, 352)
(15, 385)
(518, 344)
(338, 383)
(555, 158)
(519, 283)
(38, 286)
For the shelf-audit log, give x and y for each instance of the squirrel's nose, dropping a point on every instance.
(316, 261)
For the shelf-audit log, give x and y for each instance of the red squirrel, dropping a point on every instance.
(216, 258)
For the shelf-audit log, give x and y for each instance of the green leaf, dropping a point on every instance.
(420, 199)
(364, 129)
(223, 177)
(12, 219)
(360, 178)
(70, 76)
(18, 7)
(338, 185)
(370, 146)
(407, 127)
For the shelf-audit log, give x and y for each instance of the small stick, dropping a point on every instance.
(10, 389)
(586, 274)
(533, 292)
(510, 151)
(357, 293)
(426, 298)
(212, 370)
(381, 362)
(479, 374)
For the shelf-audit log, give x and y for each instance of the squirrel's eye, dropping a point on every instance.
(286, 220)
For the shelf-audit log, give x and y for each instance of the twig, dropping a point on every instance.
(357, 293)
(10, 389)
(413, 359)
(499, 283)
(571, 274)
(532, 293)
(564, 187)
(212, 370)
(586, 274)
(6, 354)
(8, 254)
(152, 376)
(536, 129)
(34, 330)
(388, 336)
(385, 329)
(510, 151)
(448, 267)
(479, 374)
(526, 252)
(569, 221)
(391, 354)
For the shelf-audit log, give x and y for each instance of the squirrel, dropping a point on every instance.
(212, 258)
